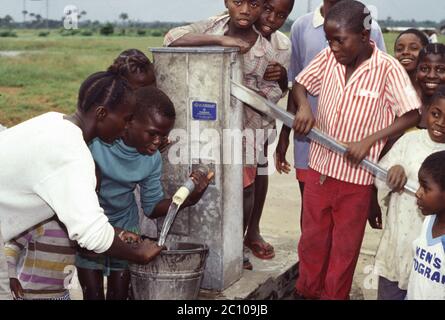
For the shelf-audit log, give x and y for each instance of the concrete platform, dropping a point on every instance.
(269, 279)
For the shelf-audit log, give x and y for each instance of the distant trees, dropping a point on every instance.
(390, 22)
(107, 29)
(124, 17)
(81, 14)
(6, 21)
(38, 18)
(158, 28)
(24, 12)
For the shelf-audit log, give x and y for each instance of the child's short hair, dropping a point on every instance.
(438, 94)
(106, 88)
(432, 48)
(419, 34)
(352, 14)
(434, 164)
(130, 61)
(151, 100)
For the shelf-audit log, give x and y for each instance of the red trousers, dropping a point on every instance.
(334, 221)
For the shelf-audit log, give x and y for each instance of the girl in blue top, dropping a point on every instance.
(130, 161)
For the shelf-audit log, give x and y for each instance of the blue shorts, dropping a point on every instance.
(103, 262)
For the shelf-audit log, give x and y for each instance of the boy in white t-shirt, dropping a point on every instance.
(427, 279)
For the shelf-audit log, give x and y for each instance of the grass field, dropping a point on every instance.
(48, 74)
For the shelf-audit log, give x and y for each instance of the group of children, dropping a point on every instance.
(343, 82)
(125, 148)
(365, 96)
(251, 25)
(425, 65)
(368, 88)
(360, 96)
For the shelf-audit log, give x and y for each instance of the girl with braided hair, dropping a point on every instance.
(135, 67)
(50, 170)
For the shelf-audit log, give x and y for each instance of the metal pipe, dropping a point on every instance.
(263, 105)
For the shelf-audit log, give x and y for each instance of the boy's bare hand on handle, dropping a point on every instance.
(357, 151)
(396, 178)
(304, 120)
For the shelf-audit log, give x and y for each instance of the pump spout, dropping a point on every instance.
(177, 200)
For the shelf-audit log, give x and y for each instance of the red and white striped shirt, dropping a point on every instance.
(377, 91)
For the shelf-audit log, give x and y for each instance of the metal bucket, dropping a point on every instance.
(175, 274)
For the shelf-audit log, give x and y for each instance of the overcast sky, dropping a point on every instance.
(192, 10)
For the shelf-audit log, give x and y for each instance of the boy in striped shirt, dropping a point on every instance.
(361, 90)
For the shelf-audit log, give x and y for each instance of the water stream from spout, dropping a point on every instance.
(170, 217)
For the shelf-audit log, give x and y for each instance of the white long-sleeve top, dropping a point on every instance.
(46, 168)
(404, 220)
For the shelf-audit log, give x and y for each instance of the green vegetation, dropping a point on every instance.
(48, 72)
(107, 29)
(390, 38)
(43, 34)
(8, 34)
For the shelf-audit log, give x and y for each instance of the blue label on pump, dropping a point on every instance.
(202, 110)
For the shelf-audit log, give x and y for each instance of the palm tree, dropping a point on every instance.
(7, 20)
(123, 16)
(38, 20)
(80, 15)
(24, 12)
